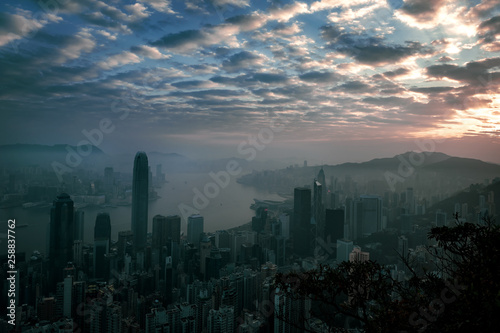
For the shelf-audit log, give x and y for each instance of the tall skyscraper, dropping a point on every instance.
(166, 229)
(194, 229)
(140, 201)
(319, 208)
(322, 180)
(61, 237)
(102, 227)
(371, 219)
(334, 225)
(302, 220)
(78, 228)
(102, 244)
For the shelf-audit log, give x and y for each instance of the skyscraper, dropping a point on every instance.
(318, 208)
(165, 230)
(102, 243)
(371, 220)
(61, 237)
(302, 220)
(140, 200)
(194, 229)
(102, 227)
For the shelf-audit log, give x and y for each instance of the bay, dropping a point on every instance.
(226, 208)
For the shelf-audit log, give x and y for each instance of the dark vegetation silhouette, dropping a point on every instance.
(460, 292)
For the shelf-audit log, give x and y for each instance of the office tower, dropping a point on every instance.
(205, 246)
(101, 249)
(160, 177)
(318, 208)
(285, 225)
(140, 201)
(302, 221)
(354, 218)
(213, 264)
(78, 225)
(322, 180)
(344, 248)
(109, 180)
(222, 239)
(371, 219)
(169, 280)
(334, 225)
(166, 229)
(124, 240)
(102, 227)
(358, 255)
(194, 229)
(61, 237)
(68, 296)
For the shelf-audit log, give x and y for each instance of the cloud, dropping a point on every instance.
(236, 3)
(118, 60)
(82, 42)
(138, 11)
(370, 50)
(149, 52)
(285, 30)
(270, 77)
(163, 6)
(474, 72)
(320, 77)
(248, 22)
(21, 25)
(242, 60)
(489, 32)
(287, 12)
(190, 40)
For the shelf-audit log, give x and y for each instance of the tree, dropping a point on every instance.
(462, 293)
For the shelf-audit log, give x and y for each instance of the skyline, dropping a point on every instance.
(326, 81)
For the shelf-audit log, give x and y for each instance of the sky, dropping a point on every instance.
(330, 80)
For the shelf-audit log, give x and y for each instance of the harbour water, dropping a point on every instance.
(230, 207)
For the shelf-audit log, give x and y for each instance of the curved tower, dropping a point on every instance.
(140, 200)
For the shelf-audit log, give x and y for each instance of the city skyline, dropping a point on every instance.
(329, 81)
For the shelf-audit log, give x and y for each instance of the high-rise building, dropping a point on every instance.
(140, 193)
(334, 225)
(169, 282)
(61, 237)
(166, 229)
(205, 246)
(358, 255)
(79, 219)
(102, 227)
(194, 229)
(371, 219)
(344, 248)
(302, 220)
(322, 180)
(319, 208)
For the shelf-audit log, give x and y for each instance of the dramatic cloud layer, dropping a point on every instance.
(169, 73)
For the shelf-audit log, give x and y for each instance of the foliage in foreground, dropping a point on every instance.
(462, 293)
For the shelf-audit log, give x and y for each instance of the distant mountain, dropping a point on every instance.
(423, 170)
(470, 196)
